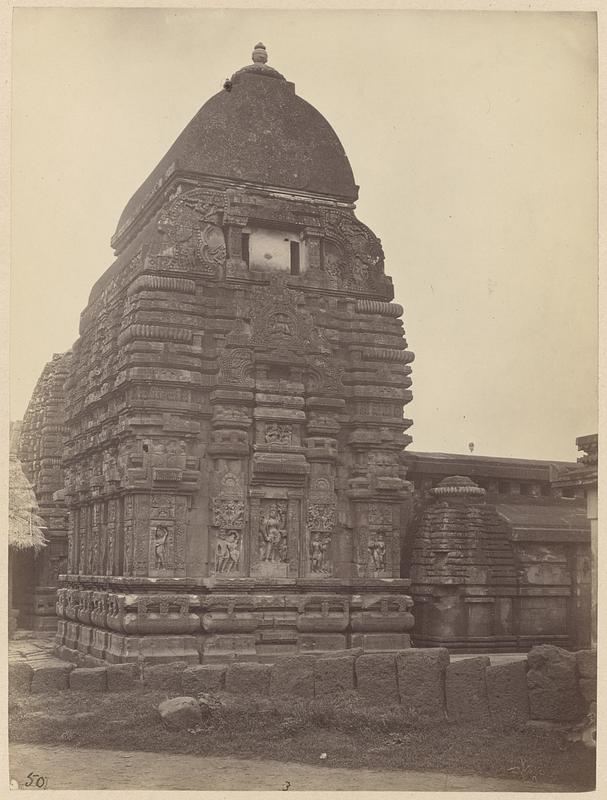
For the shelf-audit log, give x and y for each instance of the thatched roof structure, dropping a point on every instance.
(25, 526)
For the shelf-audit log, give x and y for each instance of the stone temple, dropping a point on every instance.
(221, 455)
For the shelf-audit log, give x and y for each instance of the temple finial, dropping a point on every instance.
(260, 54)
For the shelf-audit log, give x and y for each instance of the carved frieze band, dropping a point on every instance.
(159, 283)
(157, 332)
(387, 354)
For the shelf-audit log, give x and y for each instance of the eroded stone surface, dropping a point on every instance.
(507, 690)
(466, 689)
(180, 713)
(203, 678)
(164, 676)
(89, 679)
(248, 678)
(293, 677)
(376, 678)
(333, 675)
(552, 684)
(19, 676)
(586, 663)
(421, 681)
(121, 677)
(50, 677)
(588, 689)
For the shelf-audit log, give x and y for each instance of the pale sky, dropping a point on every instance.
(472, 136)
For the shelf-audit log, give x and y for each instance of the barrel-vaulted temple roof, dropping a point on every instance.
(256, 130)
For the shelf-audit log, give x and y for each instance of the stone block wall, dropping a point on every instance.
(551, 685)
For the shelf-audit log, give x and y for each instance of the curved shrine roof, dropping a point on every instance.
(257, 130)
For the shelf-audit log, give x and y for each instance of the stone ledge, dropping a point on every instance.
(421, 681)
(203, 678)
(121, 677)
(50, 677)
(89, 679)
(466, 689)
(248, 678)
(376, 678)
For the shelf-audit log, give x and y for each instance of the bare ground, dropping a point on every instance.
(71, 768)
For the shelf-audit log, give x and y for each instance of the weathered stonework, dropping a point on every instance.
(463, 571)
(498, 559)
(234, 433)
(40, 453)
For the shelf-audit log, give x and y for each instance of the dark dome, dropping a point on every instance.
(257, 130)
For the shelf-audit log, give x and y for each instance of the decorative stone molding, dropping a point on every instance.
(379, 307)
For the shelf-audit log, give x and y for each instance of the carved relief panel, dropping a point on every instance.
(166, 535)
(320, 524)
(377, 545)
(192, 237)
(274, 537)
(276, 433)
(82, 540)
(228, 517)
(321, 514)
(111, 533)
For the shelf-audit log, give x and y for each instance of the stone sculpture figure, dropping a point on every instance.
(377, 549)
(273, 535)
(227, 554)
(278, 434)
(319, 545)
(161, 535)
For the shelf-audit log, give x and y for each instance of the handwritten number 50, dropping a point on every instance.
(39, 781)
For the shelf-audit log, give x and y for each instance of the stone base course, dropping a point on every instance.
(85, 679)
(507, 691)
(248, 678)
(20, 676)
(376, 678)
(588, 689)
(164, 676)
(50, 677)
(552, 684)
(121, 677)
(466, 689)
(333, 675)
(293, 677)
(203, 678)
(586, 664)
(421, 681)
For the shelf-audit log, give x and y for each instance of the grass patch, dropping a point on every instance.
(351, 733)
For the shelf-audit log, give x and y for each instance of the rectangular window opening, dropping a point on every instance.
(294, 258)
(245, 248)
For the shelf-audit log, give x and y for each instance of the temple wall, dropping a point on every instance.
(40, 453)
(233, 463)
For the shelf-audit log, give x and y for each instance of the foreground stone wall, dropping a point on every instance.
(552, 684)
